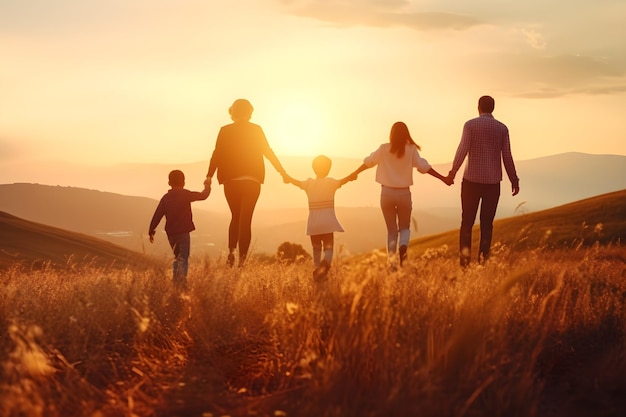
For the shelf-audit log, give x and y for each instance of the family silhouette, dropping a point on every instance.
(238, 162)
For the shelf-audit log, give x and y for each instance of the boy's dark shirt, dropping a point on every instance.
(176, 207)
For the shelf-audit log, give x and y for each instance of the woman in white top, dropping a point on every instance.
(394, 163)
(322, 221)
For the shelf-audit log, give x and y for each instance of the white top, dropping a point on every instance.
(321, 195)
(395, 172)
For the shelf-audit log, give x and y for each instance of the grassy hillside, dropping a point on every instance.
(33, 244)
(598, 219)
(534, 333)
(531, 334)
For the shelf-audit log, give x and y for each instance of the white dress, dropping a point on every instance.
(321, 195)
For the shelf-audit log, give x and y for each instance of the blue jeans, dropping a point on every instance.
(180, 245)
(473, 194)
(396, 205)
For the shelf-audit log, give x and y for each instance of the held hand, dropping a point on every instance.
(448, 180)
(353, 176)
(286, 177)
(207, 182)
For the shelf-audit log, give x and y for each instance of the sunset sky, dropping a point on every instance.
(117, 81)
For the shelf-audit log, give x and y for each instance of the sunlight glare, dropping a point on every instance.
(297, 127)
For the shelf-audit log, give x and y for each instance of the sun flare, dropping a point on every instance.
(297, 126)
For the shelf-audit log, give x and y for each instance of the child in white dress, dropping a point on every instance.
(322, 221)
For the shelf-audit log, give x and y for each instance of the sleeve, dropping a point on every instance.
(461, 151)
(373, 159)
(217, 154)
(305, 184)
(507, 159)
(268, 152)
(156, 218)
(199, 195)
(420, 163)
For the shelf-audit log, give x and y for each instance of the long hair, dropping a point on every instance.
(399, 137)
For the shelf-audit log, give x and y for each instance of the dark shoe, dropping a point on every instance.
(402, 251)
(230, 261)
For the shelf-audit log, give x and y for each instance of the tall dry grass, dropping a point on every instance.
(529, 334)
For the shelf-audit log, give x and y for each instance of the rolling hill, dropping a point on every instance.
(121, 214)
(124, 220)
(35, 245)
(597, 219)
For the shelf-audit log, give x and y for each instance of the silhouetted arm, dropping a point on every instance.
(156, 219)
(201, 195)
(447, 180)
(360, 169)
(351, 177)
(290, 180)
(271, 156)
(215, 159)
(515, 187)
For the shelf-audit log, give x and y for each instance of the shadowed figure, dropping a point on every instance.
(486, 144)
(394, 163)
(322, 221)
(176, 207)
(238, 160)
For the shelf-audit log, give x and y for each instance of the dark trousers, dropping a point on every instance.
(241, 196)
(472, 195)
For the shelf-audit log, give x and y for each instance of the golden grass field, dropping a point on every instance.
(539, 330)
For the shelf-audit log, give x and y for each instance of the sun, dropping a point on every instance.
(296, 126)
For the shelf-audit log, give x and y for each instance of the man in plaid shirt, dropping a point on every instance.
(486, 144)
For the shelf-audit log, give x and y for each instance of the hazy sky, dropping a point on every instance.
(114, 81)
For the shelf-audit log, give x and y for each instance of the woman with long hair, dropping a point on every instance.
(394, 163)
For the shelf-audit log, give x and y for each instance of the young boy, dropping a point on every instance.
(322, 221)
(176, 207)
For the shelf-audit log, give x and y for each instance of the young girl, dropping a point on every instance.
(322, 221)
(394, 163)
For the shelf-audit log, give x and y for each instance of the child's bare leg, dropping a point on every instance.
(316, 242)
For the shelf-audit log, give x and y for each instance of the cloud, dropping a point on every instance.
(534, 38)
(546, 92)
(542, 76)
(379, 13)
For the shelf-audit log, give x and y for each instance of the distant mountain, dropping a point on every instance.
(124, 220)
(545, 182)
(121, 210)
(598, 219)
(35, 245)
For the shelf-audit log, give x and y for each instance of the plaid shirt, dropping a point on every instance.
(485, 142)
